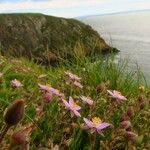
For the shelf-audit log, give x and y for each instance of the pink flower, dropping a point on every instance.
(50, 89)
(45, 88)
(72, 106)
(78, 84)
(87, 100)
(96, 125)
(56, 92)
(117, 95)
(16, 84)
(72, 76)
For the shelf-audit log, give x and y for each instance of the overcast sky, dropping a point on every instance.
(73, 8)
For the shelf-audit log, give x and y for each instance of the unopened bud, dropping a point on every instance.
(125, 124)
(140, 99)
(14, 113)
(130, 135)
(130, 111)
(100, 88)
(19, 138)
(48, 97)
(124, 117)
(129, 129)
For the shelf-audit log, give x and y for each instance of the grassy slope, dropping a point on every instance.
(56, 126)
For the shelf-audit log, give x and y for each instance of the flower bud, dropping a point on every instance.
(124, 117)
(14, 113)
(48, 97)
(142, 105)
(129, 128)
(140, 99)
(19, 138)
(125, 124)
(130, 135)
(100, 88)
(130, 111)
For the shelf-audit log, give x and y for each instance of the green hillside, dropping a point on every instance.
(46, 38)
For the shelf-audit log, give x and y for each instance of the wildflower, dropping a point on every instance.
(130, 135)
(56, 92)
(96, 125)
(72, 76)
(45, 88)
(16, 84)
(117, 95)
(87, 100)
(72, 106)
(78, 84)
(125, 124)
(14, 113)
(100, 88)
(50, 89)
(47, 97)
(21, 137)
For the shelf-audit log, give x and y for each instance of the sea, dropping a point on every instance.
(129, 32)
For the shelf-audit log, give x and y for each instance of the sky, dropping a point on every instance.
(72, 8)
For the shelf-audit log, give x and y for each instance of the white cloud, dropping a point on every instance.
(145, 4)
(72, 8)
(48, 4)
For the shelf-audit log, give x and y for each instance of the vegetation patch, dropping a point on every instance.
(76, 105)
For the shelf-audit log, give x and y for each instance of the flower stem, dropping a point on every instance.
(4, 131)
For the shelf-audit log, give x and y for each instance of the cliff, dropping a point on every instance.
(46, 38)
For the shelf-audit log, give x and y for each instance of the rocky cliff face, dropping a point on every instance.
(45, 38)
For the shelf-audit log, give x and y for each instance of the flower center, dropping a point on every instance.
(74, 105)
(96, 121)
(117, 93)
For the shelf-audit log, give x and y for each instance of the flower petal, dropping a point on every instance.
(67, 105)
(71, 102)
(76, 113)
(88, 122)
(102, 126)
(87, 100)
(110, 92)
(122, 97)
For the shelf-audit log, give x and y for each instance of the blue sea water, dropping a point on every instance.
(129, 32)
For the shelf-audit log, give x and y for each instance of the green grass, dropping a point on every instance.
(56, 125)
